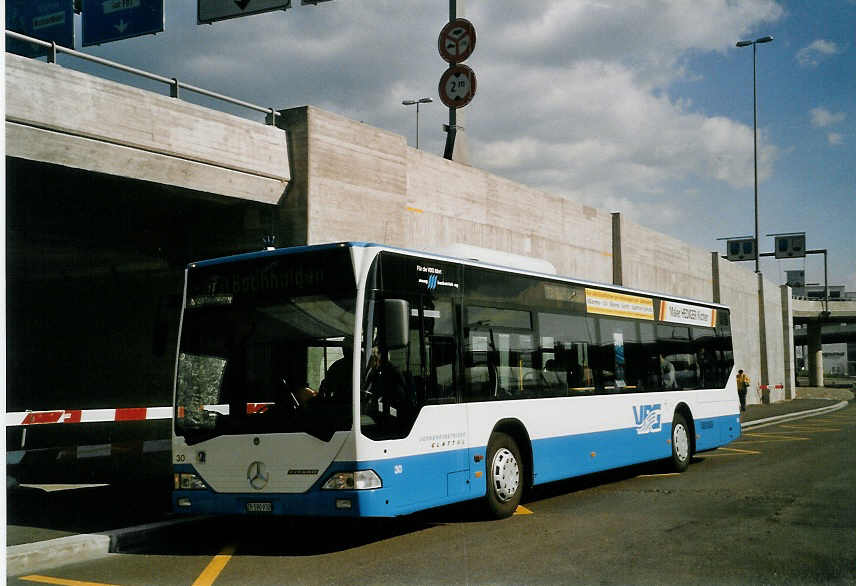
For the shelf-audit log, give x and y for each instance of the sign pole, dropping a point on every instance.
(456, 142)
(452, 129)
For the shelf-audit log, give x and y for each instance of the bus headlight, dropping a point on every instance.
(188, 481)
(355, 480)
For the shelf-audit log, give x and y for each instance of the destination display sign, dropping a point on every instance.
(684, 313)
(270, 278)
(619, 304)
(105, 21)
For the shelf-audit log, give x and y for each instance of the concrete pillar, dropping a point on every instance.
(788, 341)
(762, 333)
(291, 220)
(815, 355)
(617, 265)
(714, 277)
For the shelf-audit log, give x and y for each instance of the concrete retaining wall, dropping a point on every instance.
(657, 262)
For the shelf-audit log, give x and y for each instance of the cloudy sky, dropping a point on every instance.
(637, 106)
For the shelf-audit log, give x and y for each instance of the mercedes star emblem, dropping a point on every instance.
(257, 476)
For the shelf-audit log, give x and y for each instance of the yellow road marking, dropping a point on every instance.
(521, 510)
(213, 569)
(738, 452)
(62, 581)
(820, 428)
(764, 438)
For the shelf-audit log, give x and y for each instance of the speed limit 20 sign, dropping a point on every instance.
(457, 86)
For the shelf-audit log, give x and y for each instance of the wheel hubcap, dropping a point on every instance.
(681, 442)
(506, 474)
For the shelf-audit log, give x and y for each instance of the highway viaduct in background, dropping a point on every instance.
(111, 190)
(824, 322)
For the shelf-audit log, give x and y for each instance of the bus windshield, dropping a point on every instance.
(257, 357)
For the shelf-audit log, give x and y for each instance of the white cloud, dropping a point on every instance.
(652, 37)
(813, 54)
(580, 104)
(822, 118)
(594, 128)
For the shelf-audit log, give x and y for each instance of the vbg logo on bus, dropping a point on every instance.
(648, 418)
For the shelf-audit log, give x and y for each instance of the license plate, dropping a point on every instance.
(259, 507)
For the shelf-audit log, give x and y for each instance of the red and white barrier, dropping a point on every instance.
(121, 414)
(87, 415)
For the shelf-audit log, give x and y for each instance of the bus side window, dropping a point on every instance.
(566, 340)
(677, 357)
(441, 354)
(499, 354)
(642, 359)
(621, 356)
(442, 359)
(480, 372)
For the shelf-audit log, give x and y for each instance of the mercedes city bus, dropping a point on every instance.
(357, 379)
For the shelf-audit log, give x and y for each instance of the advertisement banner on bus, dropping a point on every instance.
(619, 304)
(683, 313)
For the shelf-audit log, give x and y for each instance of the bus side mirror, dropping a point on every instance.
(397, 323)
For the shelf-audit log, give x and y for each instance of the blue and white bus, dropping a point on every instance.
(356, 379)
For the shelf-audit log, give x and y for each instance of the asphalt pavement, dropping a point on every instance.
(55, 525)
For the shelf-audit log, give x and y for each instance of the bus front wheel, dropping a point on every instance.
(504, 475)
(681, 452)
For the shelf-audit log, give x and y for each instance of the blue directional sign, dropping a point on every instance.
(209, 11)
(113, 20)
(48, 20)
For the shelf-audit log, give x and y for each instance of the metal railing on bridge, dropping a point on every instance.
(174, 84)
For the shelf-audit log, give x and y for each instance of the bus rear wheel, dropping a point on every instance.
(504, 475)
(681, 451)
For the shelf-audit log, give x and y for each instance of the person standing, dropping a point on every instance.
(742, 388)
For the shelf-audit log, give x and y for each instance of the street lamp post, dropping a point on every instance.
(417, 102)
(766, 39)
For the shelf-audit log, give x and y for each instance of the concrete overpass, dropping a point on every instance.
(63, 117)
(812, 310)
(826, 322)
